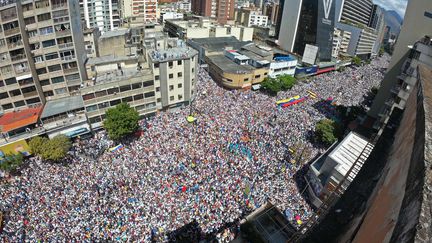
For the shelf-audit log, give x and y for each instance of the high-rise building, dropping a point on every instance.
(354, 11)
(251, 17)
(101, 14)
(309, 22)
(417, 24)
(272, 11)
(222, 10)
(41, 50)
(140, 11)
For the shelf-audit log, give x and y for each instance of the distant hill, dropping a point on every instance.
(394, 20)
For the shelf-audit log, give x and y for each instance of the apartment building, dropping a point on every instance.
(204, 28)
(356, 12)
(140, 11)
(42, 52)
(101, 14)
(251, 17)
(91, 37)
(222, 10)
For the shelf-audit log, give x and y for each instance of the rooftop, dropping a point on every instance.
(348, 151)
(62, 105)
(227, 65)
(114, 33)
(18, 119)
(262, 51)
(219, 43)
(118, 75)
(109, 59)
(169, 54)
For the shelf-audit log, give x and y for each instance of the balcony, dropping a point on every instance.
(30, 94)
(18, 57)
(70, 70)
(25, 82)
(16, 44)
(61, 20)
(63, 33)
(12, 31)
(68, 58)
(59, 6)
(66, 45)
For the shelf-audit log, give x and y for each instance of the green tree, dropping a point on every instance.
(271, 86)
(381, 51)
(287, 81)
(120, 121)
(11, 162)
(328, 131)
(37, 144)
(53, 149)
(356, 60)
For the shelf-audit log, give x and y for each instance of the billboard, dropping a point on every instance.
(310, 54)
(20, 146)
(325, 28)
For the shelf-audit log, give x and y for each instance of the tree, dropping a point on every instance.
(120, 121)
(381, 51)
(11, 162)
(328, 131)
(356, 60)
(287, 81)
(271, 86)
(37, 144)
(53, 149)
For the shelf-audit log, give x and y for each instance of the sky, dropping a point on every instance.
(398, 5)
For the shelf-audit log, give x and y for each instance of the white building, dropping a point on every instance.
(251, 17)
(141, 11)
(337, 168)
(184, 6)
(170, 15)
(341, 40)
(101, 14)
(282, 65)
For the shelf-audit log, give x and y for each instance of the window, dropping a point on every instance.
(179, 62)
(38, 59)
(171, 98)
(136, 85)
(265, 74)
(157, 89)
(157, 77)
(138, 97)
(179, 75)
(193, 70)
(95, 119)
(101, 93)
(257, 76)
(171, 87)
(15, 92)
(29, 20)
(48, 43)
(44, 82)
(115, 102)
(41, 71)
(60, 91)
(170, 64)
(246, 79)
(51, 56)
(180, 97)
(4, 95)
(179, 85)
(148, 83)
(158, 100)
(125, 88)
(43, 17)
(150, 105)
(7, 106)
(6, 70)
(54, 68)
(103, 105)
(91, 108)
(48, 93)
(156, 65)
(149, 94)
(10, 81)
(113, 90)
(46, 31)
(2, 83)
(171, 75)
(19, 103)
(33, 33)
(88, 96)
(33, 101)
(127, 99)
(74, 76)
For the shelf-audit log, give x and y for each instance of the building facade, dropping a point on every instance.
(312, 22)
(42, 52)
(251, 17)
(140, 11)
(101, 14)
(222, 10)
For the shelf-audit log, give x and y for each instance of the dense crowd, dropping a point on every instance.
(232, 160)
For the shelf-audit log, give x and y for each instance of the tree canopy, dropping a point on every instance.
(328, 131)
(11, 162)
(274, 85)
(53, 149)
(356, 60)
(120, 121)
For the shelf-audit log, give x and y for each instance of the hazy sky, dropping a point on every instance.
(397, 5)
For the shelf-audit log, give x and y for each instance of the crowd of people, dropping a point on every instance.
(234, 158)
